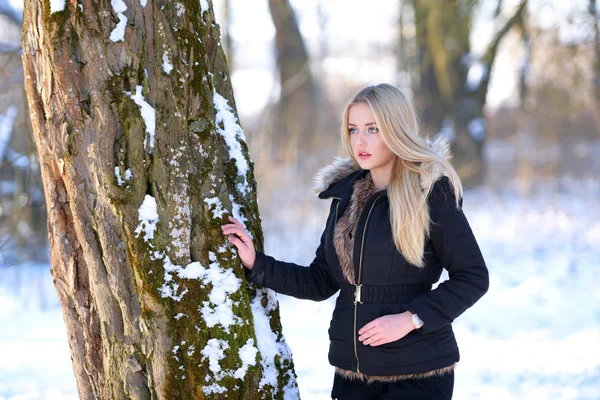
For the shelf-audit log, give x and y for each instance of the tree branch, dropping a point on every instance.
(490, 53)
(492, 49)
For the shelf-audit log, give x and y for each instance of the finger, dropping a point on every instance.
(368, 327)
(241, 235)
(368, 335)
(379, 342)
(237, 242)
(234, 229)
(372, 339)
(235, 221)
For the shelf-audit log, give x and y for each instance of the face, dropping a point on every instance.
(367, 144)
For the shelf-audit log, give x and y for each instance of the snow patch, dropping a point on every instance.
(227, 126)
(219, 309)
(218, 210)
(119, 7)
(247, 354)
(215, 352)
(236, 211)
(148, 115)
(57, 5)
(266, 339)
(148, 217)
(128, 175)
(180, 9)
(167, 66)
(203, 6)
(213, 388)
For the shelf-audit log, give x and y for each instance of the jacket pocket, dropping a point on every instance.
(341, 326)
(410, 338)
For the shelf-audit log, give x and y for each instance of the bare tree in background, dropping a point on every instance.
(22, 210)
(593, 10)
(142, 158)
(296, 115)
(453, 84)
(229, 50)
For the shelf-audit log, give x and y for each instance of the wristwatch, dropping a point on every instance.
(417, 322)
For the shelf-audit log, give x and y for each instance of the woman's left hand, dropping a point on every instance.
(386, 329)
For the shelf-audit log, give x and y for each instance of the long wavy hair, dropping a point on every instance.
(398, 126)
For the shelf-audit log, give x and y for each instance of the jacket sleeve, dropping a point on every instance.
(458, 251)
(314, 282)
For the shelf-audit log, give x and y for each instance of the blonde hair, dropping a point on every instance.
(399, 129)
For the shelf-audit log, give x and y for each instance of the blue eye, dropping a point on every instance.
(373, 129)
(352, 130)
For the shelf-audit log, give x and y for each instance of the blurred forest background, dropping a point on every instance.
(514, 85)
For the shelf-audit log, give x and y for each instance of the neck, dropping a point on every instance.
(381, 177)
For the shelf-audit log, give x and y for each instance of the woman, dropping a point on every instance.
(395, 221)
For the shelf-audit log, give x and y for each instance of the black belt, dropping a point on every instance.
(382, 293)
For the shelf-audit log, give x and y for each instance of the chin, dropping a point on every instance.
(365, 164)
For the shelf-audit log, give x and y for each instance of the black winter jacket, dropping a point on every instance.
(390, 285)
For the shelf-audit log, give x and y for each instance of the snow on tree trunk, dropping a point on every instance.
(142, 160)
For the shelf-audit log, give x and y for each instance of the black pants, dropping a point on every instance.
(433, 388)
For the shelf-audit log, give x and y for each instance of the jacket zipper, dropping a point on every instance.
(358, 285)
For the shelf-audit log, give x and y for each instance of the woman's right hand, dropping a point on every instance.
(241, 240)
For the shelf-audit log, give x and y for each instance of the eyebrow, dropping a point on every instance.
(369, 124)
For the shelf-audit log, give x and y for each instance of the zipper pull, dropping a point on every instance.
(357, 294)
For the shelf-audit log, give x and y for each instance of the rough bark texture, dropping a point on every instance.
(446, 98)
(296, 117)
(127, 338)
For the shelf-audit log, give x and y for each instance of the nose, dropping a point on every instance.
(362, 136)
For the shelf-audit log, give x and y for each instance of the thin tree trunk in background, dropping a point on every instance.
(296, 116)
(526, 40)
(403, 66)
(593, 10)
(142, 159)
(453, 85)
(227, 34)
(21, 239)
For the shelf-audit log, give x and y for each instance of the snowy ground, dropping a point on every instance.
(535, 335)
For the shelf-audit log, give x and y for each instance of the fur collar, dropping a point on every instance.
(345, 228)
(344, 166)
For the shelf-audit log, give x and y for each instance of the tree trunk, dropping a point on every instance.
(296, 116)
(453, 84)
(593, 10)
(142, 159)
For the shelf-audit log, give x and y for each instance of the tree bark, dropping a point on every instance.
(296, 116)
(142, 160)
(451, 101)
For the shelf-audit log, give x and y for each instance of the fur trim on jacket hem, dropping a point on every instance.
(352, 375)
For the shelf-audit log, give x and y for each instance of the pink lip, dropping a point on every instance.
(364, 157)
